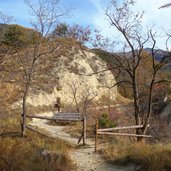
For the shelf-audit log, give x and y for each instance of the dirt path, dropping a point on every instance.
(84, 157)
(87, 160)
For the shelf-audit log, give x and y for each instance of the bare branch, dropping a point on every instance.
(118, 83)
(165, 6)
(98, 72)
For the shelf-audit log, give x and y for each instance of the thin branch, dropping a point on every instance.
(162, 81)
(98, 72)
(165, 6)
(118, 83)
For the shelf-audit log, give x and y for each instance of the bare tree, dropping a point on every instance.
(5, 19)
(82, 97)
(87, 99)
(130, 61)
(74, 90)
(46, 14)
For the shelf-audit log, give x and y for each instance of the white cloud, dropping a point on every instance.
(97, 4)
(153, 16)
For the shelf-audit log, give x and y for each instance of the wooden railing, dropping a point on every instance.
(75, 117)
(107, 131)
(66, 117)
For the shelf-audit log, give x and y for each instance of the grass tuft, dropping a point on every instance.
(35, 152)
(154, 157)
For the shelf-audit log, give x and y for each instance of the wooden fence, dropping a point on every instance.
(66, 117)
(107, 131)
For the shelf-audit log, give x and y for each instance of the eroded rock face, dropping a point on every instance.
(76, 76)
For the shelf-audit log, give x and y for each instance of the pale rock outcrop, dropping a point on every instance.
(75, 71)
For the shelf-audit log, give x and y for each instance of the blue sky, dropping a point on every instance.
(15, 8)
(91, 12)
(82, 11)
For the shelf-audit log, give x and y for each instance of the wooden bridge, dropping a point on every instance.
(66, 117)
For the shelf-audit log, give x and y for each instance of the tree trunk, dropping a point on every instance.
(144, 129)
(76, 103)
(136, 109)
(109, 109)
(140, 132)
(24, 110)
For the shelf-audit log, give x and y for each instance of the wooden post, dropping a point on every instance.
(96, 128)
(23, 125)
(84, 130)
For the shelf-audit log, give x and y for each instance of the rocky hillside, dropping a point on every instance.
(70, 73)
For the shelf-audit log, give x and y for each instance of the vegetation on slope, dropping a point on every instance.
(147, 157)
(32, 153)
(18, 36)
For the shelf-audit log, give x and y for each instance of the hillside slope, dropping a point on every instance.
(71, 72)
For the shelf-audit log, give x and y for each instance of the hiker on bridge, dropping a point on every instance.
(58, 104)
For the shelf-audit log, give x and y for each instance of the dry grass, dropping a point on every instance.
(32, 153)
(154, 157)
(39, 109)
(76, 129)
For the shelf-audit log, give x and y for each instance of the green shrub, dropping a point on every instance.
(19, 36)
(105, 121)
